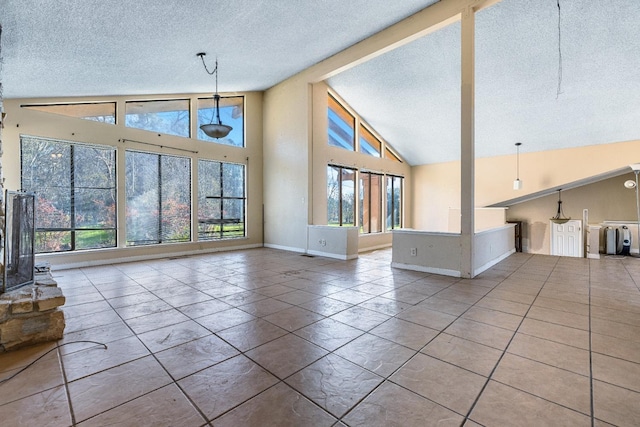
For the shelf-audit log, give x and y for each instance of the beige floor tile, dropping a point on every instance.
(297, 297)
(225, 319)
(406, 296)
(204, 308)
(504, 306)
(559, 317)
(251, 334)
(553, 384)
(156, 320)
(466, 354)
(561, 305)
(481, 333)
(170, 336)
(443, 383)
(293, 318)
(405, 333)
(15, 359)
(42, 375)
(444, 305)
(190, 357)
(278, 358)
(551, 353)
(616, 371)
(279, 406)
(91, 320)
(385, 306)
(463, 296)
(493, 317)
(501, 405)
(107, 389)
(615, 329)
(221, 387)
(507, 295)
(360, 318)
(554, 332)
(616, 405)
(165, 407)
(334, 383)
(620, 316)
(47, 408)
(616, 347)
(97, 358)
(329, 334)
(376, 354)
(394, 406)
(429, 318)
(264, 307)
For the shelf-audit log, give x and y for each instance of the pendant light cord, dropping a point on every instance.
(559, 90)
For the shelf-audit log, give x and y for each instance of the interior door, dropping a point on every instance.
(566, 239)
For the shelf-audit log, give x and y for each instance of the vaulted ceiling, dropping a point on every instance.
(410, 95)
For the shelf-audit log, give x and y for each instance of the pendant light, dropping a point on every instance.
(214, 130)
(517, 184)
(560, 218)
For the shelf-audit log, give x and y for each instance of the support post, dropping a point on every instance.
(467, 149)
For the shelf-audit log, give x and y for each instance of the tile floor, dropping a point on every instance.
(271, 338)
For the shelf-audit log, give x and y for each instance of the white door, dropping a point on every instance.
(566, 239)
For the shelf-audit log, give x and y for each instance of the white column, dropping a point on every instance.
(467, 154)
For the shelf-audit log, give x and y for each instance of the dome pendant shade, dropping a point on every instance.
(215, 130)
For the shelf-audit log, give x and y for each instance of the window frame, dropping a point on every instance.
(73, 229)
(222, 198)
(341, 208)
(365, 225)
(347, 118)
(390, 223)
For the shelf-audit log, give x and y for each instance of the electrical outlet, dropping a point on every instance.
(323, 242)
(414, 251)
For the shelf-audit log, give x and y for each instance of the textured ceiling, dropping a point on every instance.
(411, 95)
(111, 47)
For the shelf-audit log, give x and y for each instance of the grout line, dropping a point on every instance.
(66, 387)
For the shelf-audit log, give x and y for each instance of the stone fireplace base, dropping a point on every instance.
(31, 314)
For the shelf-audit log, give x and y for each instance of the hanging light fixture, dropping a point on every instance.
(214, 130)
(517, 184)
(560, 218)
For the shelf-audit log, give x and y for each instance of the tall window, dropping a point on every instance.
(221, 200)
(370, 202)
(341, 197)
(341, 126)
(158, 193)
(231, 113)
(394, 202)
(75, 186)
(164, 116)
(369, 144)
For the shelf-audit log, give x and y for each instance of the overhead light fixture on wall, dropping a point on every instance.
(214, 130)
(517, 184)
(560, 218)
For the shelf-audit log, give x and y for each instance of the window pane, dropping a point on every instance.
(176, 199)
(104, 112)
(341, 126)
(348, 187)
(64, 204)
(376, 204)
(169, 117)
(233, 176)
(221, 200)
(369, 144)
(333, 195)
(142, 186)
(391, 155)
(394, 202)
(231, 114)
(95, 239)
(364, 202)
